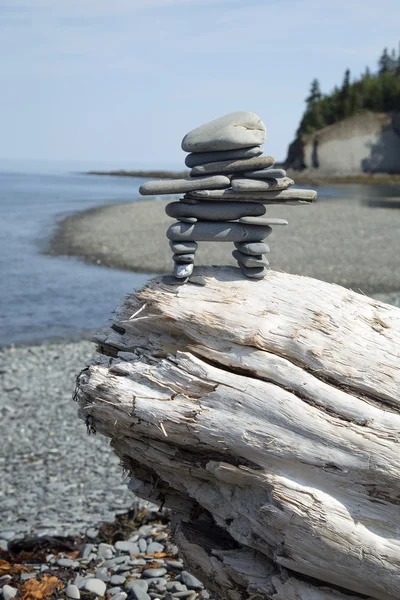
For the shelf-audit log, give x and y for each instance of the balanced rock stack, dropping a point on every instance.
(226, 195)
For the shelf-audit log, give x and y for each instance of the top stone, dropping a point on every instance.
(232, 131)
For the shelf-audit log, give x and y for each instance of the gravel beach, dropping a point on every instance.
(335, 241)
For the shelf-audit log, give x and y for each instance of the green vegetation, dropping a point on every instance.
(378, 92)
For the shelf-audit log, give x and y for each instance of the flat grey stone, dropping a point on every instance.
(136, 584)
(65, 562)
(250, 261)
(254, 185)
(179, 258)
(154, 572)
(218, 232)
(9, 592)
(183, 271)
(139, 594)
(95, 586)
(26, 576)
(263, 221)
(129, 547)
(85, 550)
(201, 158)
(176, 186)
(171, 280)
(191, 581)
(175, 564)
(114, 590)
(253, 249)
(233, 166)
(71, 591)
(105, 551)
(234, 130)
(117, 580)
(7, 534)
(197, 280)
(287, 197)
(265, 174)
(183, 247)
(119, 596)
(215, 211)
(254, 272)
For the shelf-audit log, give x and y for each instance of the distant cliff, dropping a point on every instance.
(364, 143)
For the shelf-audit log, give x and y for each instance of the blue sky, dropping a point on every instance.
(122, 81)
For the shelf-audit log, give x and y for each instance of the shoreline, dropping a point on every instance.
(300, 177)
(338, 242)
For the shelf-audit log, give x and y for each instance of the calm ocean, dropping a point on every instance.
(44, 297)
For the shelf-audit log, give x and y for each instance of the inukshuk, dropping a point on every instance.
(226, 194)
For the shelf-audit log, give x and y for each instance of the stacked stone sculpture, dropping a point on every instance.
(226, 194)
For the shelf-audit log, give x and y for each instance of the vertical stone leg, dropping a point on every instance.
(183, 257)
(251, 258)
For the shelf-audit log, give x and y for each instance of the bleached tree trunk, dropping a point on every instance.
(266, 414)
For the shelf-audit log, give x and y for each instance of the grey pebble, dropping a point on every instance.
(262, 221)
(105, 551)
(174, 564)
(92, 532)
(72, 591)
(154, 572)
(137, 592)
(171, 280)
(175, 586)
(215, 211)
(65, 562)
(233, 166)
(102, 574)
(160, 537)
(96, 586)
(117, 560)
(129, 547)
(288, 197)
(7, 534)
(120, 596)
(182, 258)
(253, 249)
(85, 550)
(154, 547)
(254, 273)
(254, 185)
(182, 271)
(265, 174)
(176, 186)
(25, 576)
(183, 247)
(4, 545)
(117, 580)
(234, 130)
(114, 590)
(201, 158)
(136, 584)
(191, 581)
(217, 231)
(250, 261)
(9, 592)
(197, 280)
(142, 545)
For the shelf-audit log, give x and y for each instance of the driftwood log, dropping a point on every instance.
(266, 414)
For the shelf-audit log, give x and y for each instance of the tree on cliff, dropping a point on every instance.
(379, 92)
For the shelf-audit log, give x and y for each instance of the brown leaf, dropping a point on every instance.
(32, 589)
(7, 568)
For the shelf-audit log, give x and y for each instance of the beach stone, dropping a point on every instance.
(253, 249)
(176, 186)
(201, 158)
(265, 174)
(287, 197)
(253, 185)
(71, 591)
(129, 547)
(234, 130)
(65, 562)
(171, 280)
(254, 272)
(85, 550)
(263, 221)
(142, 545)
(105, 551)
(95, 586)
(4, 545)
(117, 580)
(7, 534)
(191, 581)
(92, 532)
(233, 166)
(183, 247)
(197, 280)
(250, 261)
(114, 590)
(181, 258)
(119, 596)
(9, 592)
(139, 593)
(219, 232)
(154, 572)
(136, 584)
(175, 564)
(182, 271)
(215, 211)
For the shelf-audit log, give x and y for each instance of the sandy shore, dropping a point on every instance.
(339, 242)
